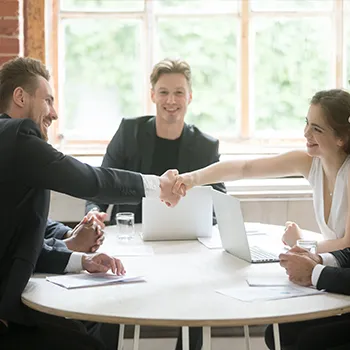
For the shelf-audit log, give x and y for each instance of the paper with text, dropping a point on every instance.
(83, 280)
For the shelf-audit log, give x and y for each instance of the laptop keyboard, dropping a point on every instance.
(261, 255)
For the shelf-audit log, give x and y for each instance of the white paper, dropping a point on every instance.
(267, 293)
(127, 250)
(268, 281)
(83, 280)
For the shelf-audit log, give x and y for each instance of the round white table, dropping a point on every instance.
(180, 290)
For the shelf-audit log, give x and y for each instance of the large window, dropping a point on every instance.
(255, 65)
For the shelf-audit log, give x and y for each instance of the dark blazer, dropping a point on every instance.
(54, 255)
(337, 279)
(132, 148)
(29, 167)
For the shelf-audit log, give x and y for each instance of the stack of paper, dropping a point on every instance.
(83, 280)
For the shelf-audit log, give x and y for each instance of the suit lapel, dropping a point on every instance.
(186, 149)
(146, 145)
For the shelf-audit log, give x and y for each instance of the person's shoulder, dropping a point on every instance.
(200, 135)
(20, 126)
(137, 120)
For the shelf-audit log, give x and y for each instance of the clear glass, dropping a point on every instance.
(206, 5)
(292, 5)
(102, 76)
(292, 59)
(209, 45)
(125, 225)
(105, 5)
(309, 245)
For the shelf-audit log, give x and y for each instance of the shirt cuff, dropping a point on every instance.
(74, 263)
(328, 259)
(316, 272)
(151, 185)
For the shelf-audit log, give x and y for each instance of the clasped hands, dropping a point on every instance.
(173, 186)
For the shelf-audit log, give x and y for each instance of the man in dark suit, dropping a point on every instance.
(153, 144)
(329, 271)
(30, 167)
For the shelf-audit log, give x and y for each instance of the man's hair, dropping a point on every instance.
(20, 72)
(168, 66)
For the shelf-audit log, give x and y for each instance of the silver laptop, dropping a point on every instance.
(233, 233)
(191, 218)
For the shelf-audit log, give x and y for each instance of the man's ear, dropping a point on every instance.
(19, 97)
(190, 99)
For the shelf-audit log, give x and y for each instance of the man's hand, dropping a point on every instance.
(101, 262)
(184, 182)
(299, 264)
(87, 236)
(167, 181)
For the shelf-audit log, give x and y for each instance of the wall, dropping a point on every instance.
(10, 41)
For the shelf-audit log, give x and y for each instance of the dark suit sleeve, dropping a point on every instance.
(55, 229)
(39, 165)
(343, 257)
(114, 158)
(337, 279)
(54, 257)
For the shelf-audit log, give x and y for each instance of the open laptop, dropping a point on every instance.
(233, 233)
(191, 218)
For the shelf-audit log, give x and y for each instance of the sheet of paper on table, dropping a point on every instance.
(251, 294)
(267, 281)
(127, 250)
(214, 242)
(83, 280)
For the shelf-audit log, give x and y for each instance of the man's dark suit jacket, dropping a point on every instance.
(132, 148)
(29, 167)
(337, 279)
(54, 255)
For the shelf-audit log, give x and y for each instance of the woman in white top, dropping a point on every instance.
(325, 164)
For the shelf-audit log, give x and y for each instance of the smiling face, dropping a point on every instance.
(171, 95)
(39, 106)
(321, 140)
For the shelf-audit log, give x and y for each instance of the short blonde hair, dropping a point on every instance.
(168, 66)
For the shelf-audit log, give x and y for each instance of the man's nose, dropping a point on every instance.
(171, 98)
(53, 113)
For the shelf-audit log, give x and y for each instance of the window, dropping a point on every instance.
(255, 65)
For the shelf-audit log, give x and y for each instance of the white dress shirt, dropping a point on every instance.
(151, 185)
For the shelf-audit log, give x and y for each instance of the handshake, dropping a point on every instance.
(174, 186)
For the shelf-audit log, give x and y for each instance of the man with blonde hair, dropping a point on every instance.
(153, 144)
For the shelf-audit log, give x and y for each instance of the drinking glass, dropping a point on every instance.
(125, 225)
(309, 245)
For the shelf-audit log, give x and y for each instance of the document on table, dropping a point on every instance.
(268, 293)
(267, 281)
(214, 242)
(127, 250)
(83, 280)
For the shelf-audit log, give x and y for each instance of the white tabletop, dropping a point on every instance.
(180, 290)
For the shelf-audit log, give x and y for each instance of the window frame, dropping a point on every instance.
(244, 143)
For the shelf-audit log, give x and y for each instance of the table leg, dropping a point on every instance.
(136, 337)
(121, 337)
(185, 339)
(246, 337)
(206, 338)
(276, 336)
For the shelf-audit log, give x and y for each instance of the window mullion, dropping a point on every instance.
(339, 42)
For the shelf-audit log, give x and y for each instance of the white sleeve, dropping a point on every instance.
(151, 185)
(74, 263)
(328, 259)
(316, 272)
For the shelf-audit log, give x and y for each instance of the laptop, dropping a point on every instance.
(191, 218)
(233, 233)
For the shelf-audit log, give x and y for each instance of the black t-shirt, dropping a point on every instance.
(165, 155)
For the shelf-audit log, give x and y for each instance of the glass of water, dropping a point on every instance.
(309, 245)
(125, 225)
